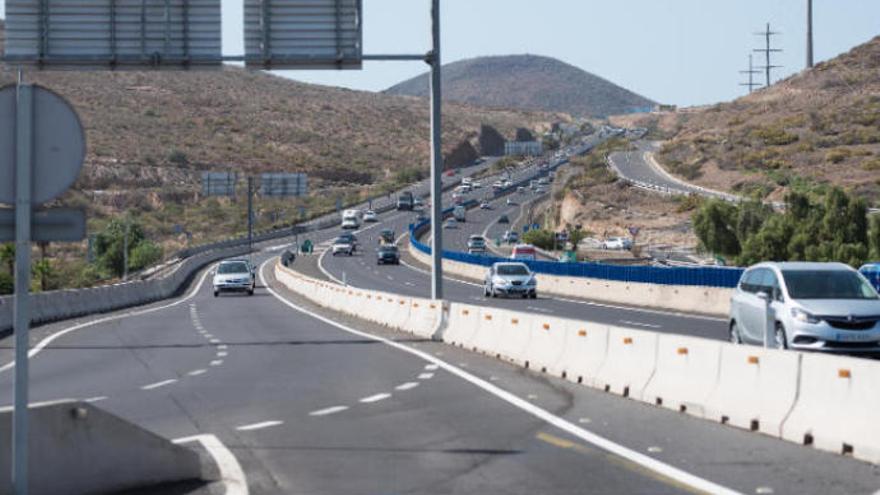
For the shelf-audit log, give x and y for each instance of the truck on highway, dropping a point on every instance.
(405, 201)
(351, 219)
(460, 213)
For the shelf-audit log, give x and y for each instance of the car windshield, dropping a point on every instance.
(238, 267)
(826, 284)
(512, 270)
(341, 240)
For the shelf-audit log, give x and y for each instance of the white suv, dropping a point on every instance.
(814, 306)
(234, 276)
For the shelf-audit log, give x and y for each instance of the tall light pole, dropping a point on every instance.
(809, 34)
(436, 158)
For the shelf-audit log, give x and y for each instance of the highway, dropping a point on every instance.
(311, 402)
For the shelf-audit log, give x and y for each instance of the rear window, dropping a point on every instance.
(236, 267)
(388, 249)
(512, 270)
(827, 284)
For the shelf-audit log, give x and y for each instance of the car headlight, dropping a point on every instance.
(499, 281)
(803, 316)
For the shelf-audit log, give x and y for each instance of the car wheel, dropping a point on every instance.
(216, 293)
(735, 335)
(492, 291)
(485, 291)
(251, 292)
(525, 296)
(779, 338)
(535, 295)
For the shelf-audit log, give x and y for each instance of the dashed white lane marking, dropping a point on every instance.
(231, 474)
(531, 396)
(222, 347)
(208, 336)
(214, 341)
(197, 372)
(426, 376)
(57, 335)
(328, 411)
(766, 490)
(375, 398)
(409, 284)
(640, 324)
(159, 384)
(493, 378)
(585, 421)
(216, 362)
(407, 386)
(655, 450)
(603, 443)
(222, 354)
(431, 367)
(259, 426)
(96, 399)
(389, 277)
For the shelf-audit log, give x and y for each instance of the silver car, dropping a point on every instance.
(814, 306)
(233, 276)
(510, 278)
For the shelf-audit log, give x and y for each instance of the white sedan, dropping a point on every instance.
(370, 216)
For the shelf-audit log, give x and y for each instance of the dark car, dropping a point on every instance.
(503, 219)
(387, 254)
(348, 236)
(386, 236)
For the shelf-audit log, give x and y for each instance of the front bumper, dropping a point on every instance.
(822, 337)
(516, 289)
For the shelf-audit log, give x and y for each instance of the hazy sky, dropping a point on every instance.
(684, 52)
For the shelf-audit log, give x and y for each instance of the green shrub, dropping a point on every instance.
(145, 254)
(871, 165)
(838, 155)
(774, 136)
(7, 284)
(543, 239)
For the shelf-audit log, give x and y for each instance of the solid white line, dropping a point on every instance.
(603, 443)
(639, 324)
(426, 376)
(159, 384)
(216, 362)
(48, 340)
(197, 372)
(407, 386)
(329, 410)
(231, 474)
(96, 399)
(259, 426)
(375, 398)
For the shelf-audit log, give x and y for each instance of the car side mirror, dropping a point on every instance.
(764, 296)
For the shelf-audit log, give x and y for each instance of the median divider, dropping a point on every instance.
(829, 402)
(757, 388)
(630, 362)
(686, 373)
(837, 407)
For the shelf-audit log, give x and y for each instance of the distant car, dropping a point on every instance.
(510, 237)
(510, 202)
(503, 219)
(371, 216)
(871, 271)
(450, 173)
(351, 238)
(485, 205)
(617, 243)
(524, 252)
(450, 224)
(386, 236)
(476, 185)
(540, 190)
(234, 276)
(498, 184)
(825, 307)
(418, 204)
(387, 254)
(521, 189)
(510, 278)
(476, 244)
(341, 245)
(421, 217)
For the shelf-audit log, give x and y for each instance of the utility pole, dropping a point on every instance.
(250, 212)
(751, 72)
(768, 50)
(809, 34)
(436, 157)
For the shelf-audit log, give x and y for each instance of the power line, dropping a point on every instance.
(751, 72)
(767, 34)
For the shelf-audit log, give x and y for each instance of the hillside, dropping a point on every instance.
(527, 82)
(820, 127)
(150, 134)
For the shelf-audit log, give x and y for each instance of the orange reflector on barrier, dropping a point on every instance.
(433, 306)
(514, 321)
(415, 305)
(465, 312)
(682, 350)
(844, 373)
(627, 340)
(582, 333)
(488, 317)
(546, 326)
(753, 359)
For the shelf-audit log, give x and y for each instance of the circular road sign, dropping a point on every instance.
(59, 146)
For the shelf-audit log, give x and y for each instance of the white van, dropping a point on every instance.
(351, 219)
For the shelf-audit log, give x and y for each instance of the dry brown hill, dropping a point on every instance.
(819, 127)
(527, 82)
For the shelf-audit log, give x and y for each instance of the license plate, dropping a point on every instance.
(854, 337)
